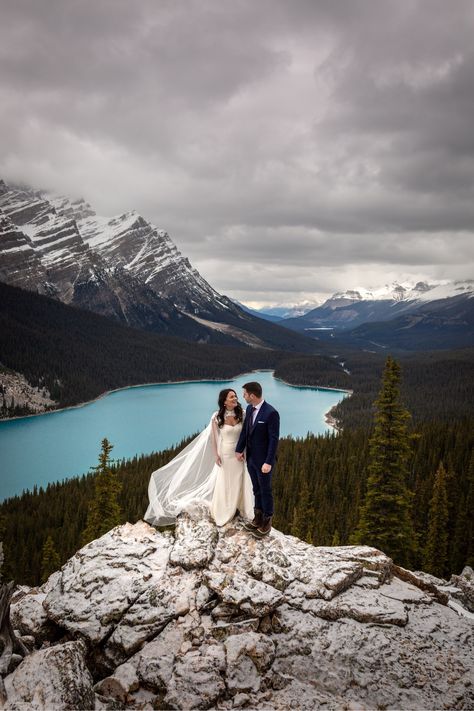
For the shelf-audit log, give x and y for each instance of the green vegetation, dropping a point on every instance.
(50, 560)
(436, 549)
(104, 509)
(77, 355)
(332, 467)
(385, 520)
(326, 488)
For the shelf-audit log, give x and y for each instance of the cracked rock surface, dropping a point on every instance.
(214, 618)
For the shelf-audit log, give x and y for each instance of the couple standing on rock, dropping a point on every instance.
(233, 457)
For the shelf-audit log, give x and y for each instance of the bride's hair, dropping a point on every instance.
(221, 400)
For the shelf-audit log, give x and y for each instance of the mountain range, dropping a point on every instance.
(127, 269)
(122, 267)
(417, 317)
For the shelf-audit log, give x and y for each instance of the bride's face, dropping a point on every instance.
(231, 400)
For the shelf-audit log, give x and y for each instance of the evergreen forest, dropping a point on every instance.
(321, 483)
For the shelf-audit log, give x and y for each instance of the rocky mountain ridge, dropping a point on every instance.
(415, 317)
(207, 617)
(122, 267)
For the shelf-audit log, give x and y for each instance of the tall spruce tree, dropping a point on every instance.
(104, 509)
(469, 509)
(303, 516)
(50, 561)
(435, 556)
(385, 516)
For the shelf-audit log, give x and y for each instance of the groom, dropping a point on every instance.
(259, 437)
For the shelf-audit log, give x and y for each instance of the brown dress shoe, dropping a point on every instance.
(264, 529)
(257, 521)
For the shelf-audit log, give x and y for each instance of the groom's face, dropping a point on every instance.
(247, 396)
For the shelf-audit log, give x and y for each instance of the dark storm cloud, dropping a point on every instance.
(320, 141)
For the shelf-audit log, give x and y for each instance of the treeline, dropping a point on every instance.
(77, 355)
(60, 511)
(319, 484)
(437, 386)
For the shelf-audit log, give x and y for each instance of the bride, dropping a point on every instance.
(207, 470)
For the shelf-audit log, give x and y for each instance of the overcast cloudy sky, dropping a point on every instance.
(291, 148)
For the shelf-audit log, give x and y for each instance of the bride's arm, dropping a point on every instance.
(215, 439)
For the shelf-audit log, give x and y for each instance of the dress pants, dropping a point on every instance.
(262, 487)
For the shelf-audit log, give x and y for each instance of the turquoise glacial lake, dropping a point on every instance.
(139, 420)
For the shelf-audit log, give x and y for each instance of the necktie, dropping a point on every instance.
(254, 410)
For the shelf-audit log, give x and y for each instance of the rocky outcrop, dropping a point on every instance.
(55, 677)
(14, 388)
(210, 617)
(20, 265)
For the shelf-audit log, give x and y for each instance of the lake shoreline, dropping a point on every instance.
(180, 382)
(144, 420)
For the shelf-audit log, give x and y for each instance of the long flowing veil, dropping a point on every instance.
(189, 477)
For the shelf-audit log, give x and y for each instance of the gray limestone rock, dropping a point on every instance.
(465, 588)
(99, 584)
(373, 606)
(197, 680)
(248, 657)
(56, 677)
(171, 596)
(239, 590)
(218, 619)
(195, 538)
(28, 615)
(120, 684)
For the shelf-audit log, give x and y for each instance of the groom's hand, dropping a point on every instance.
(266, 468)
(240, 456)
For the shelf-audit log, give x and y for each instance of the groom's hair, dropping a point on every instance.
(253, 388)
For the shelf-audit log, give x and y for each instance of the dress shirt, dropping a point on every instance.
(256, 408)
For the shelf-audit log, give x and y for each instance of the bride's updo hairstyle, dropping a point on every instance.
(221, 400)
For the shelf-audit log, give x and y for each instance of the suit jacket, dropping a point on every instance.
(260, 439)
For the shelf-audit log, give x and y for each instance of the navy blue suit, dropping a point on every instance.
(260, 440)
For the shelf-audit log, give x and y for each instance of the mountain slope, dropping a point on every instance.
(447, 323)
(77, 355)
(425, 317)
(122, 267)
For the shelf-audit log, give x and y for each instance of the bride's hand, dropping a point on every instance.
(218, 461)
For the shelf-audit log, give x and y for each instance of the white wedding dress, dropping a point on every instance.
(193, 476)
(233, 488)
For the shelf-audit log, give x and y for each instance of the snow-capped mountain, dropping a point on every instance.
(405, 292)
(423, 315)
(123, 267)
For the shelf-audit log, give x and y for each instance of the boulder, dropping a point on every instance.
(56, 677)
(99, 584)
(195, 538)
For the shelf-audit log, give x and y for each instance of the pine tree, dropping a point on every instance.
(470, 508)
(436, 548)
(385, 516)
(104, 509)
(50, 561)
(303, 516)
